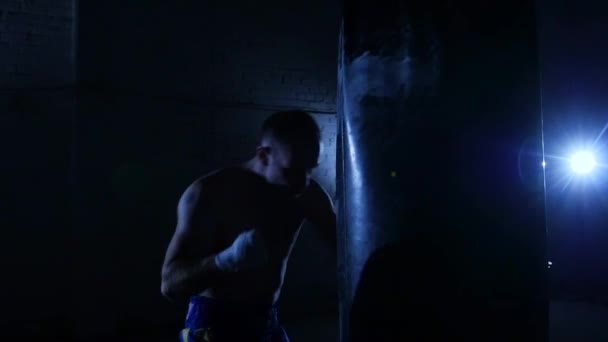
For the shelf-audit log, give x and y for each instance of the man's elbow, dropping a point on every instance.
(168, 286)
(173, 292)
(167, 290)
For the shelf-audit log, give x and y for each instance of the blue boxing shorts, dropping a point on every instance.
(214, 320)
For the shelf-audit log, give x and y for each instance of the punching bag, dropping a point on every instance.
(441, 222)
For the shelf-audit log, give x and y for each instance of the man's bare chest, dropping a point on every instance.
(277, 220)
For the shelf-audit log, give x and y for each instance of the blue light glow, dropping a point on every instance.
(583, 162)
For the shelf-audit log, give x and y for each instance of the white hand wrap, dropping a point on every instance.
(248, 251)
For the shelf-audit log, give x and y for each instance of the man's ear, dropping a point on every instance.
(262, 153)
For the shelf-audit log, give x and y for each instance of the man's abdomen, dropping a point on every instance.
(260, 287)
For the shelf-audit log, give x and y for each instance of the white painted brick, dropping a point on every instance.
(61, 12)
(38, 36)
(24, 17)
(19, 27)
(10, 5)
(309, 82)
(14, 37)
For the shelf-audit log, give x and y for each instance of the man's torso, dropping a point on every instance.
(245, 202)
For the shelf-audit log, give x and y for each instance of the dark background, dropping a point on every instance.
(170, 90)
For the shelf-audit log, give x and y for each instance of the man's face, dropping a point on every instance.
(290, 167)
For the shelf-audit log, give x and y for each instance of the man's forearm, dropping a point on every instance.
(186, 278)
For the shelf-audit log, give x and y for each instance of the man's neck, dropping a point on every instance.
(253, 166)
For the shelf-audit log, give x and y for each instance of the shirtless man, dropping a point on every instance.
(236, 227)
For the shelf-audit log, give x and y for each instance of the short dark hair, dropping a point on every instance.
(291, 127)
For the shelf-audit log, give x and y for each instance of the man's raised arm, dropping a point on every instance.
(189, 266)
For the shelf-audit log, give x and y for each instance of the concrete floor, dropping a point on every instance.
(578, 322)
(569, 322)
(323, 328)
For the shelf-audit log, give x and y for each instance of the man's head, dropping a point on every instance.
(288, 150)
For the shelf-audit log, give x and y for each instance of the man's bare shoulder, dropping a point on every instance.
(316, 197)
(215, 183)
(316, 190)
(207, 193)
(215, 178)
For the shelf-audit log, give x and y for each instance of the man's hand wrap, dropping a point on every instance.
(248, 251)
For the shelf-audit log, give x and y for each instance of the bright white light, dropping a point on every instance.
(583, 162)
(544, 164)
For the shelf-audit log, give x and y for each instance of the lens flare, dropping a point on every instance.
(583, 162)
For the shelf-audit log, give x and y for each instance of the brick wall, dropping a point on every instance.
(36, 40)
(282, 74)
(256, 84)
(36, 63)
(214, 52)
